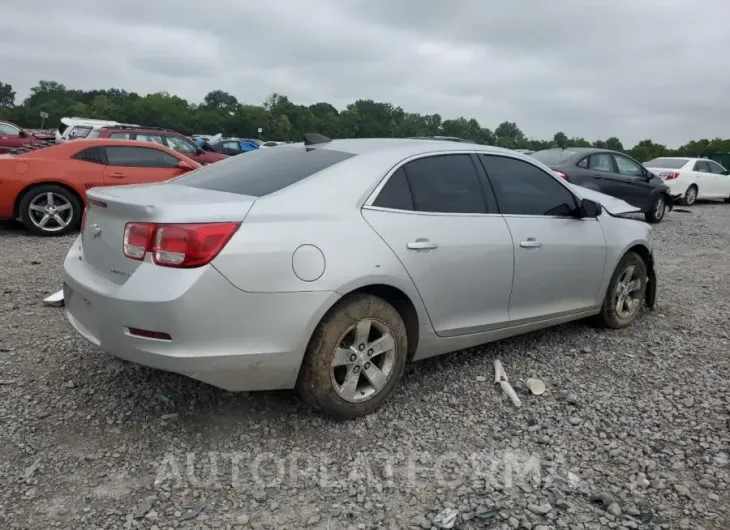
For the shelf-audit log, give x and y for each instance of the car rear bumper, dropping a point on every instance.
(220, 335)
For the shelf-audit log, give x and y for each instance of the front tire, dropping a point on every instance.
(50, 210)
(656, 211)
(355, 359)
(625, 294)
(690, 196)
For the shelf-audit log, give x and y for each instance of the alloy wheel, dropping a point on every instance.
(627, 297)
(50, 212)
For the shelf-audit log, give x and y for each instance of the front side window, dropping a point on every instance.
(140, 157)
(180, 145)
(445, 184)
(628, 167)
(524, 189)
(8, 130)
(716, 168)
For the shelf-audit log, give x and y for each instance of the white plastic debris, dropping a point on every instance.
(501, 377)
(446, 519)
(56, 299)
(535, 385)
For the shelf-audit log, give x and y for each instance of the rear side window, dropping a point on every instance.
(553, 157)
(264, 171)
(445, 184)
(139, 157)
(94, 155)
(119, 136)
(396, 194)
(702, 166)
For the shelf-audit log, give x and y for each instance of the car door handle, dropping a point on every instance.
(421, 244)
(117, 175)
(530, 243)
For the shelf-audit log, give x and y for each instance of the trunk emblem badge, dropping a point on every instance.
(95, 230)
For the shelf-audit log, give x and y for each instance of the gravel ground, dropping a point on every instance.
(633, 431)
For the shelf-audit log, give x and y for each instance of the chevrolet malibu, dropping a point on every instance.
(327, 266)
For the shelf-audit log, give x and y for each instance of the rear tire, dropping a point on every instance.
(50, 210)
(361, 339)
(690, 196)
(625, 294)
(727, 200)
(656, 211)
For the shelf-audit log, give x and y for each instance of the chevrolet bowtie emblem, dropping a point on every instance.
(95, 230)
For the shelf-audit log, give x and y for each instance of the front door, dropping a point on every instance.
(559, 259)
(139, 165)
(434, 215)
(10, 138)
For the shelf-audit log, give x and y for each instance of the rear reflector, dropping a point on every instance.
(145, 334)
(183, 246)
(668, 175)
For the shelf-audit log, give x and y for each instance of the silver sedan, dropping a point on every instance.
(327, 266)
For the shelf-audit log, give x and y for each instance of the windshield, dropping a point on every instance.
(667, 163)
(553, 157)
(262, 171)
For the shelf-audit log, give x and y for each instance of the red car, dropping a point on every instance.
(171, 139)
(45, 187)
(12, 137)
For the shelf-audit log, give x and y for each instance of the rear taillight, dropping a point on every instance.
(560, 174)
(668, 175)
(182, 246)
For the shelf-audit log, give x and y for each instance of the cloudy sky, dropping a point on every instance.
(597, 68)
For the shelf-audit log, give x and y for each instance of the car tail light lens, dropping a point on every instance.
(560, 174)
(668, 175)
(183, 246)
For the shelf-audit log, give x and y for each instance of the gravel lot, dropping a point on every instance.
(633, 432)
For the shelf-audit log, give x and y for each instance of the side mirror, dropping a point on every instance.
(589, 208)
(185, 166)
(23, 134)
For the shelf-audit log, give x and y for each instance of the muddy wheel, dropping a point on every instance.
(625, 294)
(355, 358)
(656, 211)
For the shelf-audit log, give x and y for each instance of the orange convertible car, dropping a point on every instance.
(45, 187)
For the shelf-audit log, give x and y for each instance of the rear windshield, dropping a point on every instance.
(264, 171)
(553, 157)
(667, 163)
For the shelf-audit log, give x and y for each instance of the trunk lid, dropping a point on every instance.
(109, 209)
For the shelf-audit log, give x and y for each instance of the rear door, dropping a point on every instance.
(558, 259)
(139, 165)
(435, 216)
(717, 181)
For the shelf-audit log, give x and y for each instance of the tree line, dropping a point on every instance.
(282, 120)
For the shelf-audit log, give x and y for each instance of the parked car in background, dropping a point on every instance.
(75, 128)
(270, 144)
(13, 136)
(233, 146)
(327, 278)
(692, 178)
(173, 140)
(45, 187)
(612, 173)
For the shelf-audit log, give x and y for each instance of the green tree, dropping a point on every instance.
(7, 96)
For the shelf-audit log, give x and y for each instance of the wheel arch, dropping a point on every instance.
(29, 187)
(648, 258)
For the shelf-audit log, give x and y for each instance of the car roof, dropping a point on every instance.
(405, 146)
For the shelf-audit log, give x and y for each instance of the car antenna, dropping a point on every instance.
(314, 139)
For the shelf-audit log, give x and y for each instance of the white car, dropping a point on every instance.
(74, 128)
(692, 178)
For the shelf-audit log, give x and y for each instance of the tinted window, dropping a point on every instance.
(263, 171)
(120, 136)
(446, 184)
(601, 162)
(396, 193)
(154, 138)
(80, 131)
(628, 167)
(180, 145)
(139, 157)
(716, 168)
(667, 163)
(92, 154)
(553, 157)
(524, 189)
(702, 165)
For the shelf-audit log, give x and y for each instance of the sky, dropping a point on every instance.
(634, 69)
